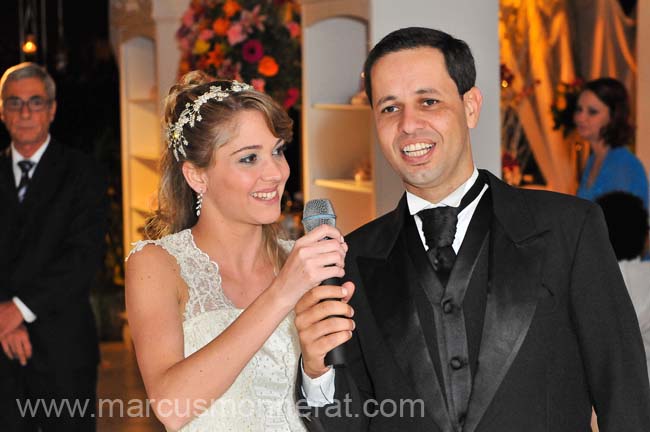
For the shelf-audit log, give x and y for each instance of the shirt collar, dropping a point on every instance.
(415, 203)
(36, 157)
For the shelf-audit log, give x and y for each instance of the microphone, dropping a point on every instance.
(320, 212)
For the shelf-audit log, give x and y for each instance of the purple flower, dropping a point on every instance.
(183, 32)
(252, 51)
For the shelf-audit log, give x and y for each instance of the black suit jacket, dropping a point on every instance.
(559, 332)
(51, 247)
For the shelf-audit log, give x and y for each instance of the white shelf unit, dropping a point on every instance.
(140, 134)
(340, 143)
(337, 137)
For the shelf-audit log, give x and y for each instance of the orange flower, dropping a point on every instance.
(288, 14)
(184, 67)
(268, 66)
(231, 7)
(215, 57)
(220, 26)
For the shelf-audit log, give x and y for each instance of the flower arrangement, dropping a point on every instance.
(257, 42)
(516, 154)
(509, 97)
(564, 105)
(510, 168)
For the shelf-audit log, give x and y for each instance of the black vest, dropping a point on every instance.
(452, 316)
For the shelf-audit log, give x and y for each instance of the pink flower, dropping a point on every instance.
(206, 34)
(188, 18)
(236, 34)
(294, 29)
(258, 84)
(228, 70)
(291, 98)
(252, 51)
(253, 19)
(184, 44)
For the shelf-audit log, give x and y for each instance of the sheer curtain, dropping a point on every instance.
(555, 41)
(605, 42)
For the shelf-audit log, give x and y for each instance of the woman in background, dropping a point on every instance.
(602, 118)
(210, 298)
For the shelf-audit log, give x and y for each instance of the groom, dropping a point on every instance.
(478, 307)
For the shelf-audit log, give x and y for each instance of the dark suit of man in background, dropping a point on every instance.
(52, 225)
(511, 318)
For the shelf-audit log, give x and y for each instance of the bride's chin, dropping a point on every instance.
(270, 218)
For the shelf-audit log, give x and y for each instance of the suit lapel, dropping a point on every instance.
(7, 179)
(46, 178)
(516, 251)
(389, 278)
(517, 246)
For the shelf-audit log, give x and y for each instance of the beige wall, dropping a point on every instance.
(480, 30)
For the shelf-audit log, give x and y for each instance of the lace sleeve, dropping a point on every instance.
(286, 245)
(137, 246)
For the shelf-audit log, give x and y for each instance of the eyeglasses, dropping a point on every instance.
(34, 104)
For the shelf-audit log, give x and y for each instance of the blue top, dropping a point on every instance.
(621, 171)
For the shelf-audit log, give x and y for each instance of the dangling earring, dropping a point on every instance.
(199, 203)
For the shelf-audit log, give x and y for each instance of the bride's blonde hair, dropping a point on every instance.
(176, 200)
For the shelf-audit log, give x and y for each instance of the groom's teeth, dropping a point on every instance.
(417, 149)
(265, 195)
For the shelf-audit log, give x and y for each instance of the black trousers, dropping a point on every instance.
(47, 401)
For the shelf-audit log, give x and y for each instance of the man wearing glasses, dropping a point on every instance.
(52, 225)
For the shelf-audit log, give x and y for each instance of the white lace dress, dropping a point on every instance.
(261, 398)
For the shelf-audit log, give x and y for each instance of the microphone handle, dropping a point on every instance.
(332, 281)
(336, 356)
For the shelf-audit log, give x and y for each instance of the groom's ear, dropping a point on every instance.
(472, 101)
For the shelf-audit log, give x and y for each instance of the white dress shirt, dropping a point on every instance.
(320, 391)
(16, 157)
(636, 274)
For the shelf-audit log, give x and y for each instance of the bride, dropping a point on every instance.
(210, 296)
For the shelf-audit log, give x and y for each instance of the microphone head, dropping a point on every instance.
(318, 212)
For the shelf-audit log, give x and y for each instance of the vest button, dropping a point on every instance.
(456, 363)
(447, 306)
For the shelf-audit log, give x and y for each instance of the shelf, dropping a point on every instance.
(341, 107)
(151, 162)
(350, 185)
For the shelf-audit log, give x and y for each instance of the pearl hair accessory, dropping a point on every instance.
(190, 115)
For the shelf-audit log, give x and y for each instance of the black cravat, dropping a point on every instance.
(25, 166)
(439, 227)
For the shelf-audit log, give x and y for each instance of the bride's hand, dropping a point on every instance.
(315, 257)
